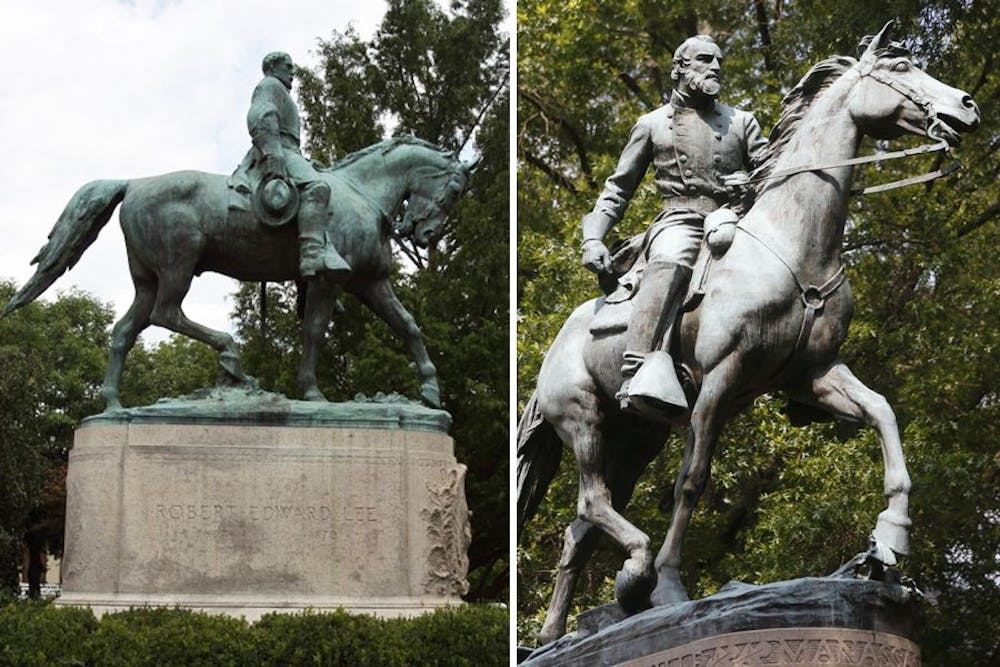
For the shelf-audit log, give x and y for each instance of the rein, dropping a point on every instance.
(940, 146)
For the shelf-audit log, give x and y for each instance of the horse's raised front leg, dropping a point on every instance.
(836, 389)
(123, 339)
(320, 299)
(706, 422)
(380, 298)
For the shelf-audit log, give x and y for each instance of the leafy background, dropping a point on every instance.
(786, 502)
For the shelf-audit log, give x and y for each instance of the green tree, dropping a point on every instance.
(51, 362)
(429, 72)
(923, 272)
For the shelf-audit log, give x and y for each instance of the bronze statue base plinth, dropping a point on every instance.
(215, 513)
(814, 621)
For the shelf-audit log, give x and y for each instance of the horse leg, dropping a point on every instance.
(123, 337)
(383, 302)
(706, 422)
(320, 299)
(836, 389)
(580, 427)
(579, 542)
(167, 313)
(581, 537)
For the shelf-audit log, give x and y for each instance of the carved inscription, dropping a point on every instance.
(356, 513)
(322, 524)
(789, 646)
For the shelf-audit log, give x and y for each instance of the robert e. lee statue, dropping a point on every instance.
(700, 150)
(275, 165)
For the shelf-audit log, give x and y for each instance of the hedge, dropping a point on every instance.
(36, 633)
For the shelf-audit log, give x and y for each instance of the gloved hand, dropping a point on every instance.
(596, 256)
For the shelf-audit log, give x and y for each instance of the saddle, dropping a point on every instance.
(621, 284)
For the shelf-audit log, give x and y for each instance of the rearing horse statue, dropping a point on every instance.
(774, 312)
(180, 225)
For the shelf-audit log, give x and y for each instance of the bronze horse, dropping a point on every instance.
(775, 311)
(180, 225)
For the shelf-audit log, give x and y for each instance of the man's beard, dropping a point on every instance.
(706, 83)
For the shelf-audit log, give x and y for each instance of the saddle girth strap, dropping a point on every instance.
(813, 298)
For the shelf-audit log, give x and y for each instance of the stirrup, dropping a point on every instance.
(655, 392)
(324, 261)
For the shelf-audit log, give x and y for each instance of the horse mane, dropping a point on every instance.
(796, 103)
(387, 145)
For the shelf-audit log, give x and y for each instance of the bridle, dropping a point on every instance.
(451, 189)
(814, 297)
(934, 125)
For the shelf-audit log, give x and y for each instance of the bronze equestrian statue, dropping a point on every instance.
(770, 315)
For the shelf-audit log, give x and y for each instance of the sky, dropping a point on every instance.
(127, 89)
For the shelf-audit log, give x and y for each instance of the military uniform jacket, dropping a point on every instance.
(275, 128)
(273, 116)
(690, 150)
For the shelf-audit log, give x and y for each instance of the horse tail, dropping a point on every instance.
(538, 452)
(77, 228)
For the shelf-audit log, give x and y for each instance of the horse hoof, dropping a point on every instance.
(548, 636)
(893, 530)
(633, 586)
(230, 363)
(669, 589)
(314, 395)
(431, 395)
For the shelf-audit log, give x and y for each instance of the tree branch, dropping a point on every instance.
(765, 33)
(558, 178)
(410, 251)
(575, 136)
(633, 87)
(980, 220)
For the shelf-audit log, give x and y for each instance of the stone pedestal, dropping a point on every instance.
(266, 504)
(816, 621)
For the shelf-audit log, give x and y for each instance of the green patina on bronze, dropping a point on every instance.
(185, 223)
(247, 406)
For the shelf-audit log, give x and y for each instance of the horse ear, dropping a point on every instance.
(871, 44)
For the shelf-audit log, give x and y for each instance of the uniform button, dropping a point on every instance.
(717, 158)
(688, 173)
(683, 158)
(670, 126)
(718, 137)
(693, 188)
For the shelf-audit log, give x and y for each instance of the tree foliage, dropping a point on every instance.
(787, 502)
(52, 360)
(426, 72)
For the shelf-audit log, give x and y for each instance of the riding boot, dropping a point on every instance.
(317, 256)
(651, 387)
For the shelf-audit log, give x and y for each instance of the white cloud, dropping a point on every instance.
(105, 89)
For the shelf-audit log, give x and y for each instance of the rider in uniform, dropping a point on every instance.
(699, 148)
(273, 121)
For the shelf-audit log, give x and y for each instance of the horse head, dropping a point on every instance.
(431, 197)
(895, 96)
